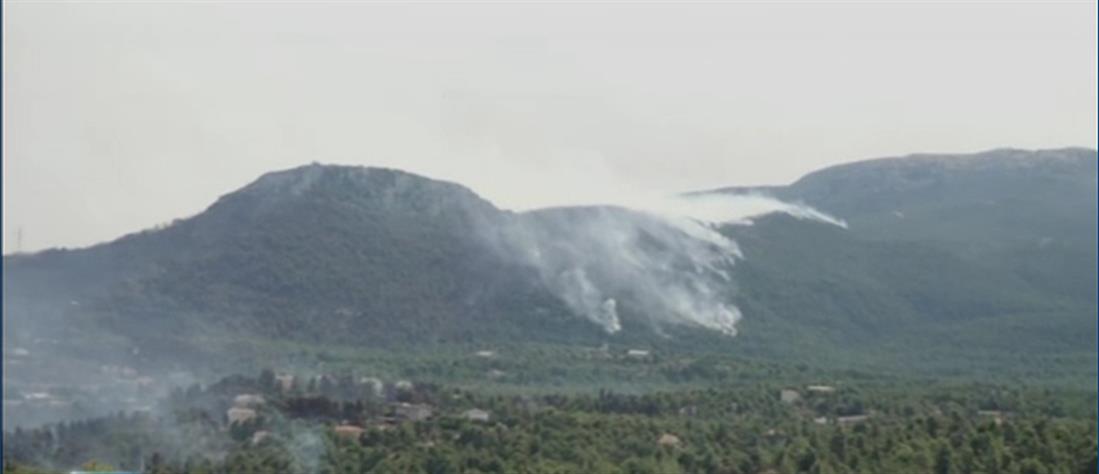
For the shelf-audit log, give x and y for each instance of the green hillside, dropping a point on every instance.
(978, 265)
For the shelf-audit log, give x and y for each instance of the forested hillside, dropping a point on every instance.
(947, 260)
(962, 266)
(346, 424)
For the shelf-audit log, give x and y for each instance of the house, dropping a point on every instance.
(788, 395)
(637, 353)
(413, 412)
(821, 389)
(997, 416)
(476, 414)
(529, 404)
(259, 436)
(285, 382)
(485, 354)
(774, 433)
(240, 415)
(323, 380)
(851, 419)
(33, 396)
(668, 439)
(119, 371)
(349, 432)
(374, 384)
(247, 400)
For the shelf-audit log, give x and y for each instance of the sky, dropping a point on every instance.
(125, 115)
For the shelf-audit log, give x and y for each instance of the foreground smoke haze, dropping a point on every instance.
(352, 237)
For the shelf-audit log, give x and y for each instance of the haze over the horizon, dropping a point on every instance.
(121, 116)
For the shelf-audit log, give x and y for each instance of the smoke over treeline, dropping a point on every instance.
(662, 259)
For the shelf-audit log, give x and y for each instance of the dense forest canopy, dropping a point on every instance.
(941, 320)
(346, 423)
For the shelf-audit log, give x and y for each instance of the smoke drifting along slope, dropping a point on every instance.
(663, 260)
(383, 254)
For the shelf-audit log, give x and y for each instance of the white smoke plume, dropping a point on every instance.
(660, 259)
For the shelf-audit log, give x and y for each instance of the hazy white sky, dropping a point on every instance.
(120, 116)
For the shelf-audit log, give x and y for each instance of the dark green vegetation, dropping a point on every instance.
(314, 426)
(988, 259)
(957, 311)
(952, 265)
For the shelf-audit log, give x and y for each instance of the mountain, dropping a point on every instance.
(985, 257)
(318, 253)
(999, 197)
(949, 264)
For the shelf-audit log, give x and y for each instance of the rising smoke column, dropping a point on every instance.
(663, 259)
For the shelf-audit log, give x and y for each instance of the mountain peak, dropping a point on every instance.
(1068, 161)
(324, 177)
(356, 186)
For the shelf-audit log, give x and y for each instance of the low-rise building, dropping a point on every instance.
(285, 382)
(851, 419)
(789, 395)
(248, 400)
(413, 411)
(259, 436)
(668, 439)
(240, 415)
(996, 416)
(374, 384)
(349, 432)
(476, 414)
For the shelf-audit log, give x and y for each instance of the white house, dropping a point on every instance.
(476, 414)
(788, 395)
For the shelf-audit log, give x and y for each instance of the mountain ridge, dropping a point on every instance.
(324, 254)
